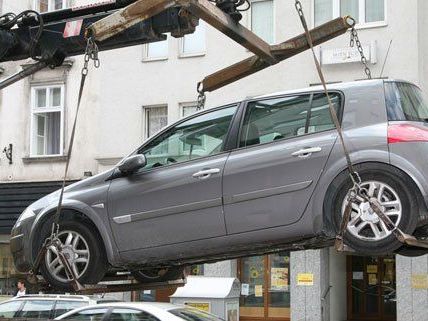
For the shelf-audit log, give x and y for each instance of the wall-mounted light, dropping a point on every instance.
(8, 152)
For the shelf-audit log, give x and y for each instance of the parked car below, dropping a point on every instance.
(44, 306)
(138, 311)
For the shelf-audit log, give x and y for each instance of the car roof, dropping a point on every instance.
(140, 305)
(155, 308)
(57, 297)
(332, 86)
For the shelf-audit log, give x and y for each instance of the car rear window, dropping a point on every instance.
(37, 309)
(405, 101)
(62, 307)
(189, 314)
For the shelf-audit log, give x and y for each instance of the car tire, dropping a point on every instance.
(157, 275)
(91, 267)
(397, 188)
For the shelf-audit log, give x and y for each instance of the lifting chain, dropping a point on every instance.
(53, 241)
(356, 41)
(201, 96)
(356, 189)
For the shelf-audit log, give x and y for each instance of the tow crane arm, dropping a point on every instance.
(51, 37)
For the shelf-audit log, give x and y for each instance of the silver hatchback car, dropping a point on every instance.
(256, 176)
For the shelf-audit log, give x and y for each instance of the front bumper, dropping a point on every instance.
(20, 245)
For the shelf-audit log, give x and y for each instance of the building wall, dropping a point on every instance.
(423, 42)
(412, 302)
(111, 121)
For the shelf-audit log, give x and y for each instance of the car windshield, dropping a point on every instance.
(405, 101)
(190, 314)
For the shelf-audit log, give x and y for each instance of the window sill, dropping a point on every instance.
(148, 59)
(44, 159)
(193, 55)
(371, 25)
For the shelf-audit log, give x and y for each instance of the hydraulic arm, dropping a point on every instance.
(51, 37)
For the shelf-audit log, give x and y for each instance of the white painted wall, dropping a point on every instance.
(111, 120)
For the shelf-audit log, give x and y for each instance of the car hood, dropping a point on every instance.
(71, 190)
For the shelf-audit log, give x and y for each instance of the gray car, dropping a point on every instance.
(251, 177)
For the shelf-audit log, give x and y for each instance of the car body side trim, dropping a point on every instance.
(166, 211)
(266, 192)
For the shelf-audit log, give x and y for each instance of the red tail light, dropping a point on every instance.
(400, 133)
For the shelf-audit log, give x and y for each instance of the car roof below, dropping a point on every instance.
(141, 305)
(57, 297)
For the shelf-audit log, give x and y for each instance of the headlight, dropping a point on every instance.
(26, 214)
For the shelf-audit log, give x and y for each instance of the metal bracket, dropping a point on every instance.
(8, 151)
(265, 54)
(125, 287)
(404, 238)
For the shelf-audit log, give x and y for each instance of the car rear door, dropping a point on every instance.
(64, 306)
(37, 309)
(10, 309)
(284, 145)
(177, 196)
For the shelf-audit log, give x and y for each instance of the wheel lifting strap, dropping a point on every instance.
(356, 190)
(90, 54)
(352, 173)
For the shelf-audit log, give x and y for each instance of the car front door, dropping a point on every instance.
(177, 196)
(283, 147)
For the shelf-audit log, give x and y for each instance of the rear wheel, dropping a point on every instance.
(154, 275)
(83, 249)
(366, 233)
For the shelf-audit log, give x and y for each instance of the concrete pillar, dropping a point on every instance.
(221, 269)
(310, 302)
(412, 303)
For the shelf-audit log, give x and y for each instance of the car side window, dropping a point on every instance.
(124, 314)
(88, 315)
(197, 137)
(10, 309)
(274, 119)
(62, 307)
(37, 309)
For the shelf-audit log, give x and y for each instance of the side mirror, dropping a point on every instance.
(132, 164)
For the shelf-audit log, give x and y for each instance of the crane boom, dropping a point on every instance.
(51, 37)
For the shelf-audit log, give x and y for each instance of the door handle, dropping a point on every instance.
(306, 152)
(206, 173)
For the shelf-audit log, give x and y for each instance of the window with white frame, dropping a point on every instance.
(156, 118)
(47, 117)
(49, 5)
(261, 19)
(188, 109)
(156, 50)
(365, 12)
(194, 44)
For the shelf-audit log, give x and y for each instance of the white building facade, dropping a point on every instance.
(138, 90)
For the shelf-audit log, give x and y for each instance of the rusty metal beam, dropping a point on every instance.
(127, 17)
(281, 52)
(225, 24)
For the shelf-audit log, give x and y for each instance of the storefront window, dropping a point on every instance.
(265, 286)
(279, 288)
(371, 288)
(252, 282)
(8, 274)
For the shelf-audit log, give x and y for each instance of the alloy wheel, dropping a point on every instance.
(364, 223)
(76, 251)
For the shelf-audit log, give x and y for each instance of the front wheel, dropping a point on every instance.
(84, 251)
(366, 233)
